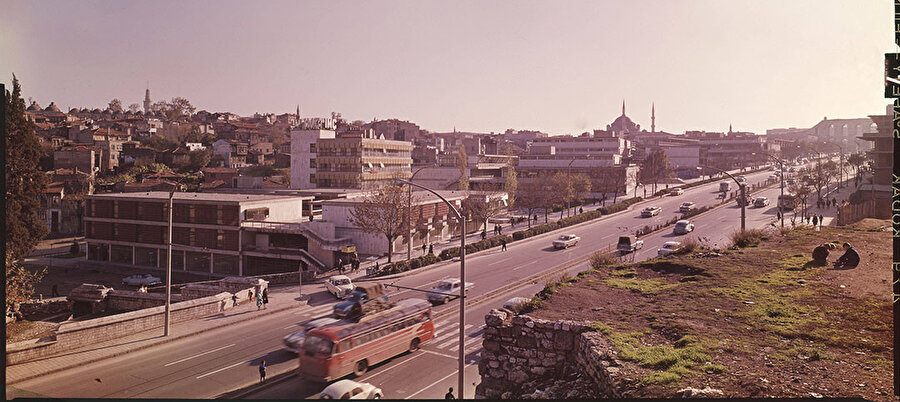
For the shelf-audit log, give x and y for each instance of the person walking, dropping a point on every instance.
(834, 202)
(258, 301)
(265, 297)
(449, 394)
(431, 249)
(54, 291)
(262, 371)
(815, 221)
(234, 300)
(499, 229)
(503, 244)
(250, 295)
(483, 234)
(424, 247)
(821, 220)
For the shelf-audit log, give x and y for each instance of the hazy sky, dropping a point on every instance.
(559, 67)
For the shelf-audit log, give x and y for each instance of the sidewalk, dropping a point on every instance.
(280, 299)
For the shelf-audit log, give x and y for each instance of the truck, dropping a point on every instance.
(356, 303)
(628, 244)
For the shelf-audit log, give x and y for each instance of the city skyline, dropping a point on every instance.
(470, 66)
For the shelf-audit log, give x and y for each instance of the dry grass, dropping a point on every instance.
(748, 238)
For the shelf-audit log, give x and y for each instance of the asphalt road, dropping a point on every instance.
(221, 360)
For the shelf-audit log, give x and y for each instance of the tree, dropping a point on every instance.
(115, 105)
(656, 166)
(181, 108)
(462, 162)
(134, 107)
(384, 212)
(480, 207)
(822, 175)
(801, 189)
(856, 160)
(160, 143)
(19, 282)
(532, 194)
(25, 183)
(199, 159)
(581, 188)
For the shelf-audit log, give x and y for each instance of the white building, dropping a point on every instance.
(303, 156)
(193, 146)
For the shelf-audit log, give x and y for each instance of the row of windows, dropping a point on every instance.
(361, 339)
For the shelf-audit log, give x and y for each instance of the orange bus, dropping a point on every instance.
(344, 348)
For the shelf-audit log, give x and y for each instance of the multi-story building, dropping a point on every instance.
(233, 152)
(733, 149)
(81, 157)
(355, 159)
(882, 155)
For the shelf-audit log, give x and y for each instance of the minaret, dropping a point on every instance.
(623, 107)
(147, 100)
(729, 128)
(298, 110)
(652, 117)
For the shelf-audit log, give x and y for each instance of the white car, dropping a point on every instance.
(347, 389)
(566, 241)
(683, 226)
(668, 247)
(446, 289)
(339, 285)
(650, 211)
(677, 191)
(516, 304)
(687, 206)
(294, 342)
(760, 202)
(141, 280)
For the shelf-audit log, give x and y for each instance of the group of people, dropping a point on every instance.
(849, 260)
(826, 203)
(354, 263)
(262, 299)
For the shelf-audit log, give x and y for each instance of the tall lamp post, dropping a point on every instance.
(462, 280)
(408, 214)
(169, 264)
(743, 200)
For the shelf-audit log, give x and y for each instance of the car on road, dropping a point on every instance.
(294, 341)
(446, 289)
(348, 389)
(141, 280)
(792, 169)
(668, 247)
(650, 211)
(339, 285)
(687, 206)
(353, 304)
(566, 241)
(628, 244)
(746, 201)
(773, 177)
(675, 192)
(760, 202)
(683, 226)
(516, 304)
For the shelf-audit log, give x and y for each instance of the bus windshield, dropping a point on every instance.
(318, 344)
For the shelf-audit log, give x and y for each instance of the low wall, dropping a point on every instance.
(130, 300)
(43, 308)
(519, 349)
(288, 278)
(73, 335)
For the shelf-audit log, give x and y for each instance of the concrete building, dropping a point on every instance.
(882, 155)
(81, 157)
(233, 152)
(355, 159)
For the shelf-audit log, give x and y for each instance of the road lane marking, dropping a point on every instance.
(472, 349)
(440, 354)
(291, 326)
(224, 368)
(443, 345)
(497, 262)
(438, 381)
(525, 265)
(468, 343)
(198, 355)
(451, 331)
(395, 366)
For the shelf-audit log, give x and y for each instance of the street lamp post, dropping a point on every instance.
(408, 214)
(780, 162)
(462, 280)
(743, 199)
(169, 264)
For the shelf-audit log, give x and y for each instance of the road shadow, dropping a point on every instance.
(274, 357)
(96, 349)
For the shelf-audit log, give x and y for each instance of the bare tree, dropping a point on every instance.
(115, 105)
(384, 212)
(480, 207)
(581, 188)
(461, 162)
(134, 107)
(531, 194)
(656, 166)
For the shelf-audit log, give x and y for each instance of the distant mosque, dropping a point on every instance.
(624, 125)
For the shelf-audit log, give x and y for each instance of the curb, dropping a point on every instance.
(243, 391)
(135, 349)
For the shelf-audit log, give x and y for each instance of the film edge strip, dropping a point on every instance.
(892, 91)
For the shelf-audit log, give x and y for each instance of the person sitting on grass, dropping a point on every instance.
(820, 253)
(849, 260)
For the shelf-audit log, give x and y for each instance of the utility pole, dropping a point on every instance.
(169, 265)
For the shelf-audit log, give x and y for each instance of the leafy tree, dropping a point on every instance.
(384, 212)
(115, 105)
(19, 282)
(134, 107)
(655, 167)
(160, 143)
(199, 159)
(25, 183)
(461, 162)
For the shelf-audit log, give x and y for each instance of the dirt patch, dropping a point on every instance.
(24, 330)
(754, 322)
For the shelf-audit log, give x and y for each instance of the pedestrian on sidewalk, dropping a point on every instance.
(503, 244)
(54, 291)
(234, 300)
(258, 301)
(834, 201)
(449, 394)
(821, 221)
(580, 210)
(265, 298)
(499, 229)
(431, 249)
(778, 215)
(815, 220)
(424, 247)
(250, 295)
(483, 234)
(262, 371)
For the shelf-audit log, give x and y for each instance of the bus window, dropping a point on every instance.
(344, 346)
(318, 345)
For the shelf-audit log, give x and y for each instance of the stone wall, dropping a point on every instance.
(130, 300)
(520, 349)
(288, 278)
(43, 308)
(73, 335)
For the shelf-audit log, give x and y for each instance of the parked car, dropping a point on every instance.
(339, 285)
(348, 389)
(352, 305)
(683, 226)
(628, 244)
(294, 342)
(516, 304)
(650, 211)
(676, 191)
(668, 247)
(687, 206)
(446, 289)
(566, 241)
(141, 280)
(760, 202)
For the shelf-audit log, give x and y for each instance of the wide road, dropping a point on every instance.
(220, 360)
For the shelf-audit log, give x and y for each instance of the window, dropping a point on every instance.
(312, 163)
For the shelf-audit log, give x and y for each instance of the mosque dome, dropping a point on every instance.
(52, 107)
(34, 107)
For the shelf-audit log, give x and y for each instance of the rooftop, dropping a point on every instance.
(219, 197)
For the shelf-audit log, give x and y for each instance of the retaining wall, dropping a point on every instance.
(130, 300)
(520, 349)
(43, 308)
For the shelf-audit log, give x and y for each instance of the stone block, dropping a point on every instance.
(491, 345)
(517, 376)
(548, 362)
(562, 341)
(534, 361)
(538, 370)
(493, 364)
(496, 373)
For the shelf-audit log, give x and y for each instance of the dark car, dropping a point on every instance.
(352, 305)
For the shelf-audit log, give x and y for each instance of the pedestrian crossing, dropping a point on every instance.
(446, 337)
(316, 311)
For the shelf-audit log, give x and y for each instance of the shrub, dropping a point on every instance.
(397, 267)
(619, 206)
(748, 238)
(601, 259)
(689, 245)
(695, 212)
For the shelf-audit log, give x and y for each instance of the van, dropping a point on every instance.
(628, 244)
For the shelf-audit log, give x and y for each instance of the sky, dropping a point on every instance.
(483, 66)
